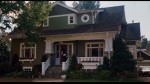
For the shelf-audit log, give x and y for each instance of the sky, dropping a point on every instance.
(139, 11)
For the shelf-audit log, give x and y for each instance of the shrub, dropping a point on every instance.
(37, 69)
(44, 58)
(79, 74)
(105, 74)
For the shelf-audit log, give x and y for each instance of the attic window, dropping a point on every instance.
(71, 19)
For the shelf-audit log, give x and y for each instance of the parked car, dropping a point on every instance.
(144, 71)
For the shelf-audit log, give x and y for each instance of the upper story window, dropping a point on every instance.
(27, 52)
(85, 18)
(71, 19)
(45, 23)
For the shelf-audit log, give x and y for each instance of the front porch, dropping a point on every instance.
(89, 49)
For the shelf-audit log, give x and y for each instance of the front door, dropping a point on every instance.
(61, 49)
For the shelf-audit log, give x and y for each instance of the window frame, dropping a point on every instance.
(21, 58)
(90, 48)
(47, 20)
(74, 19)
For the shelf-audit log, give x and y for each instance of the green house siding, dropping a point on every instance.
(60, 23)
(79, 21)
(58, 10)
(40, 48)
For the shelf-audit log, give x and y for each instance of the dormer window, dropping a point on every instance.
(45, 23)
(71, 19)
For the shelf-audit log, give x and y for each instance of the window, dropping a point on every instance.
(94, 49)
(85, 18)
(27, 51)
(27, 68)
(45, 23)
(71, 19)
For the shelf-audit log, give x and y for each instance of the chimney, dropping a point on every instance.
(132, 21)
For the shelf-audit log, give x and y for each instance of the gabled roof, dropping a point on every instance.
(65, 6)
(133, 31)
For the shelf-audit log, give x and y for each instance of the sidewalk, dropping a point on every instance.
(47, 80)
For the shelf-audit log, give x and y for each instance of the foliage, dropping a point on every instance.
(4, 53)
(106, 65)
(79, 74)
(44, 58)
(28, 16)
(103, 75)
(62, 2)
(15, 59)
(37, 69)
(122, 60)
(144, 43)
(88, 5)
(73, 63)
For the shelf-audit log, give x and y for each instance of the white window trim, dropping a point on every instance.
(85, 15)
(47, 22)
(21, 53)
(27, 68)
(74, 18)
(93, 47)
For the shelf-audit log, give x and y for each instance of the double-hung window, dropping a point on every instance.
(71, 19)
(27, 51)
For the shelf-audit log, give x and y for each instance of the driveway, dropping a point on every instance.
(145, 79)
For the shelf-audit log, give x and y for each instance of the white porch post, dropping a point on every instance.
(108, 45)
(49, 47)
(49, 51)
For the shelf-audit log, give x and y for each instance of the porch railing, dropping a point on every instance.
(65, 65)
(45, 65)
(90, 62)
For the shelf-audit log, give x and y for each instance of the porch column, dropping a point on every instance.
(49, 47)
(108, 45)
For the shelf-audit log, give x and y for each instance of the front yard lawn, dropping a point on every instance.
(94, 80)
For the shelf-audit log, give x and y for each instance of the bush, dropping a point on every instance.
(37, 69)
(80, 74)
(44, 58)
(103, 75)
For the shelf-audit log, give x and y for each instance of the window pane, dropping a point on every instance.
(71, 21)
(27, 53)
(94, 52)
(95, 45)
(45, 22)
(101, 45)
(33, 53)
(101, 51)
(88, 52)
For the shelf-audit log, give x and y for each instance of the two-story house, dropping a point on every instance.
(88, 34)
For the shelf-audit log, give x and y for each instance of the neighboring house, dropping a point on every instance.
(143, 56)
(88, 34)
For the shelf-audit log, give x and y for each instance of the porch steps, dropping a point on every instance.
(54, 72)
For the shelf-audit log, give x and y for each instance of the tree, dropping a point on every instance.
(122, 60)
(88, 5)
(4, 53)
(144, 42)
(28, 16)
(73, 63)
(62, 2)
